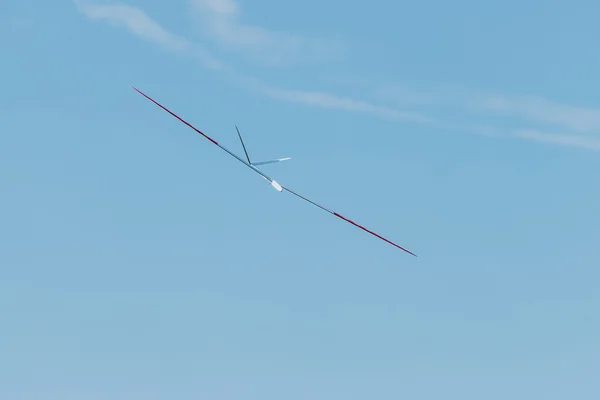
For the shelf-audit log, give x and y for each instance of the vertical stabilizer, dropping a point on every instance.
(243, 145)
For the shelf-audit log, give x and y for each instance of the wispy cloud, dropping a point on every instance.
(534, 109)
(222, 21)
(474, 106)
(540, 110)
(560, 139)
(140, 24)
(582, 124)
(327, 100)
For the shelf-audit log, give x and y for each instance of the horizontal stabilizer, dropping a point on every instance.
(271, 161)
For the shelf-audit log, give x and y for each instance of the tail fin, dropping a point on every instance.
(260, 162)
(243, 145)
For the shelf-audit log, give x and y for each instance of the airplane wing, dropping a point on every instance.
(347, 220)
(273, 183)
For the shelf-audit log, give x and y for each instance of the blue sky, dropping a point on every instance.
(140, 261)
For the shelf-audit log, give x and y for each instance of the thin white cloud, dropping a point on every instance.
(220, 7)
(560, 139)
(327, 100)
(140, 24)
(531, 109)
(408, 95)
(221, 20)
(580, 124)
(540, 110)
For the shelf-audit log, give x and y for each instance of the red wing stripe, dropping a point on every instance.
(175, 115)
(372, 233)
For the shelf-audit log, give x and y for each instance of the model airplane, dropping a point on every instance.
(273, 183)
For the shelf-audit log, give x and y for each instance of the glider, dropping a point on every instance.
(273, 183)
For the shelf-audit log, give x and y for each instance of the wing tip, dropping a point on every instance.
(138, 90)
(374, 234)
(402, 248)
